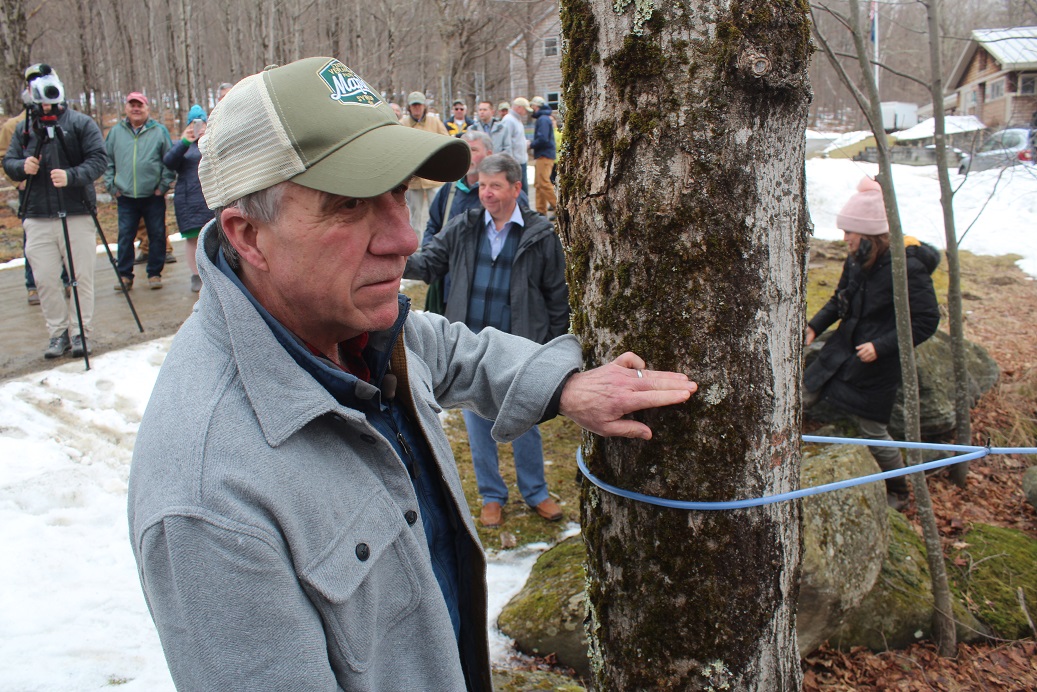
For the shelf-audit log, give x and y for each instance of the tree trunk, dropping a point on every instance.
(962, 399)
(685, 225)
(14, 48)
(943, 623)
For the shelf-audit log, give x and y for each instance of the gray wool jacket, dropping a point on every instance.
(539, 296)
(269, 522)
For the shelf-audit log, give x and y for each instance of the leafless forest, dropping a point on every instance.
(178, 51)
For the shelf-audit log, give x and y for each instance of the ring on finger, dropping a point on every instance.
(640, 375)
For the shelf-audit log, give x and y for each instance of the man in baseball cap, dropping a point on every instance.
(295, 510)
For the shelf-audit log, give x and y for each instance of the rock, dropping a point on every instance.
(899, 609)
(935, 385)
(547, 615)
(990, 567)
(1030, 485)
(506, 680)
(845, 538)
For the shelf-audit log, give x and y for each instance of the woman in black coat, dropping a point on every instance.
(858, 369)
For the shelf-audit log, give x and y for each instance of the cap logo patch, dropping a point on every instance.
(346, 86)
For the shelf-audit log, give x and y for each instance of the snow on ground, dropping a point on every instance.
(72, 615)
(999, 205)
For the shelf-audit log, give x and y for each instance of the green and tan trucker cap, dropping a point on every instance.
(317, 123)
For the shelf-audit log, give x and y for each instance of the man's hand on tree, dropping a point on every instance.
(597, 400)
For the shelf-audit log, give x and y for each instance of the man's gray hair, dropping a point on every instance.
(501, 163)
(225, 86)
(471, 135)
(263, 206)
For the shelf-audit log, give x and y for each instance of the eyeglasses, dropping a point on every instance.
(458, 108)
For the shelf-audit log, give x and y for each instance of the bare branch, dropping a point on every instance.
(889, 69)
(858, 95)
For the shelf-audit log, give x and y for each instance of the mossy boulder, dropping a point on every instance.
(547, 615)
(989, 567)
(935, 363)
(845, 537)
(899, 609)
(1030, 485)
(505, 680)
(935, 385)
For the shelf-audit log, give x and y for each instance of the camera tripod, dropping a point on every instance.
(48, 132)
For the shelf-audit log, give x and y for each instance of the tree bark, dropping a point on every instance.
(685, 227)
(962, 398)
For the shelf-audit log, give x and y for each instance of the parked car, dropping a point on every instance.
(1005, 148)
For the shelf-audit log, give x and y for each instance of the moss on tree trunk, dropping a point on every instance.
(685, 225)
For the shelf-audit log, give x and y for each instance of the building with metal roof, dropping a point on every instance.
(996, 76)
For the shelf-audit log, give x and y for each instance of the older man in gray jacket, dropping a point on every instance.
(295, 511)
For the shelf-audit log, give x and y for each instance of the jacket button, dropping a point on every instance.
(362, 551)
(369, 439)
(411, 516)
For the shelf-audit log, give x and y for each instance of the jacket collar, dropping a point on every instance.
(286, 385)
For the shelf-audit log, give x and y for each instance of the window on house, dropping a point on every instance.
(552, 100)
(971, 98)
(1028, 84)
(551, 46)
(996, 90)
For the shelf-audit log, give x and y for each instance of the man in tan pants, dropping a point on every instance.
(62, 180)
(421, 191)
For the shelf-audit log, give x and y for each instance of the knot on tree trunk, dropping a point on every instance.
(754, 62)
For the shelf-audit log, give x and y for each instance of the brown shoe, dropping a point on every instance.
(124, 281)
(549, 510)
(490, 517)
(155, 282)
(34, 297)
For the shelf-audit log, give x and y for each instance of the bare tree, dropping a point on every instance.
(685, 225)
(870, 105)
(962, 397)
(15, 47)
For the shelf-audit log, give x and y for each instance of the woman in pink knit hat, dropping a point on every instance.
(858, 369)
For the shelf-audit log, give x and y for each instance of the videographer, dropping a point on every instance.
(62, 180)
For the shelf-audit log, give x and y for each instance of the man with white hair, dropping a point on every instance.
(295, 510)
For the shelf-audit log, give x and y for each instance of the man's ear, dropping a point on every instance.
(243, 235)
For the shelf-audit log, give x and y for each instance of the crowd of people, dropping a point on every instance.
(506, 128)
(53, 156)
(295, 509)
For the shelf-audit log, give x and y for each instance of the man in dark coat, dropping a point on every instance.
(62, 184)
(508, 272)
(858, 370)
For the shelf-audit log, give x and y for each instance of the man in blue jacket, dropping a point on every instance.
(544, 154)
(295, 509)
(139, 181)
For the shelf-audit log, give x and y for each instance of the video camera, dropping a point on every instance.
(44, 89)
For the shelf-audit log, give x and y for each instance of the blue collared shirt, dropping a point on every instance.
(496, 237)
